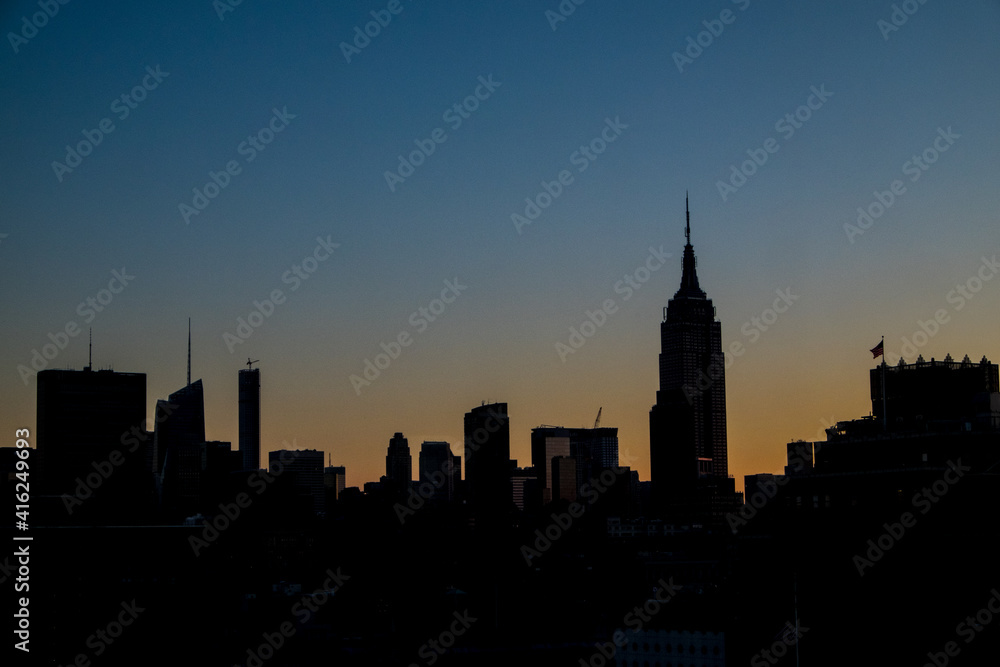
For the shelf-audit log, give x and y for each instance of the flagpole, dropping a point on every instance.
(885, 415)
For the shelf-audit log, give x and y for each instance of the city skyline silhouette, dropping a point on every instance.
(308, 311)
(783, 229)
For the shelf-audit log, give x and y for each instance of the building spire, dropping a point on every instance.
(189, 351)
(689, 277)
(687, 213)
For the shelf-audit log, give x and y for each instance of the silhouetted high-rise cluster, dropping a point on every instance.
(553, 554)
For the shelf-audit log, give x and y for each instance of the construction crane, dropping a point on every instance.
(597, 422)
(249, 366)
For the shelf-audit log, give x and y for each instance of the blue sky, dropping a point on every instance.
(323, 175)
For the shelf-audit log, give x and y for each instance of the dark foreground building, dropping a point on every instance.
(894, 519)
(92, 443)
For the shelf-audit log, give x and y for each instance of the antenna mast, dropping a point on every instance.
(687, 213)
(189, 351)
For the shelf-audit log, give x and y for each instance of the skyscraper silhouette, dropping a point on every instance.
(177, 448)
(398, 464)
(335, 478)
(926, 395)
(84, 419)
(687, 426)
(437, 466)
(487, 462)
(594, 449)
(548, 442)
(250, 417)
(301, 479)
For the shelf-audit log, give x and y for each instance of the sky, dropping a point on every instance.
(301, 190)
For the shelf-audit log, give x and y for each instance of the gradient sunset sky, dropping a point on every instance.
(887, 96)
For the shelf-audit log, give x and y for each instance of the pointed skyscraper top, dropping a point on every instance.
(687, 213)
(689, 278)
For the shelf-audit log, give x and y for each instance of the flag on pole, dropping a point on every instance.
(878, 350)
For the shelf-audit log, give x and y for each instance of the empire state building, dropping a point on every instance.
(687, 426)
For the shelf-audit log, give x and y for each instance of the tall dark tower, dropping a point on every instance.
(250, 417)
(487, 463)
(437, 466)
(399, 463)
(177, 449)
(687, 426)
